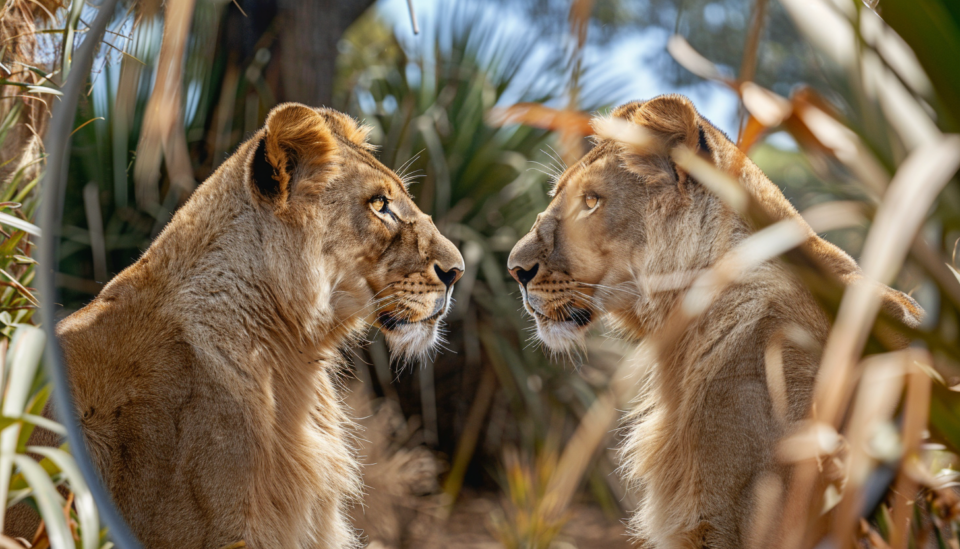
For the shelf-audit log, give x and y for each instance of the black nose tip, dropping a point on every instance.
(523, 276)
(447, 277)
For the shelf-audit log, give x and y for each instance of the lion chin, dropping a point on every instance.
(413, 328)
(566, 336)
(412, 340)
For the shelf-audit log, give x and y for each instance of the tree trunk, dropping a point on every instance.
(310, 30)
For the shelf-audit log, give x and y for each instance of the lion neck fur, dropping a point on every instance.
(247, 304)
(275, 295)
(688, 390)
(626, 235)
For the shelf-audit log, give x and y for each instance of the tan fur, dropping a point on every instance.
(400, 478)
(206, 374)
(702, 434)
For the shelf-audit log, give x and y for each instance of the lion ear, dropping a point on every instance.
(672, 118)
(673, 121)
(349, 128)
(296, 145)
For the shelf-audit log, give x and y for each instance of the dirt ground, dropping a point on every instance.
(467, 528)
(403, 507)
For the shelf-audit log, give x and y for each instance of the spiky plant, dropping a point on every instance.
(429, 102)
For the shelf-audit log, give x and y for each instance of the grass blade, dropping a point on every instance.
(19, 224)
(48, 501)
(23, 360)
(83, 499)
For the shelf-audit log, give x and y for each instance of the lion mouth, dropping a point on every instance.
(391, 321)
(577, 315)
(409, 338)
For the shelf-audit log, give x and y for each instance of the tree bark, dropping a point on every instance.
(310, 30)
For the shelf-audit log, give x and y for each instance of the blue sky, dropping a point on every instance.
(621, 58)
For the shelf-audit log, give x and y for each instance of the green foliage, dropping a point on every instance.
(893, 112)
(932, 28)
(720, 27)
(429, 102)
(105, 228)
(527, 521)
(53, 486)
(68, 522)
(18, 202)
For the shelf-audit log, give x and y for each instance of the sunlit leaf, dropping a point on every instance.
(83, 499)
(932, 30)
(22, 362)
(20, 287)
(17, 223)
(33, 409)
(44, 423)
(823, 25)
(954, 270)
(540, 116)
(48, 501)
(690, 59)
(930, 371)
(44, 90)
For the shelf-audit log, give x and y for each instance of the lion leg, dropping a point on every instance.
(735, 449)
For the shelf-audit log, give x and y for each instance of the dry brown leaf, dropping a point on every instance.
(540, 116)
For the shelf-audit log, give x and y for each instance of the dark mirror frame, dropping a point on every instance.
(57, 144)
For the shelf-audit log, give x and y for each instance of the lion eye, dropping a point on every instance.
(380, 204)
(591, 200)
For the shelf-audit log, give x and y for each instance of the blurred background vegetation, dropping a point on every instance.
(496, 413)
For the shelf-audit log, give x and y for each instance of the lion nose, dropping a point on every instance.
(523, 276)
(448, 277)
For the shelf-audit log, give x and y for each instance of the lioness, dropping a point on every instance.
(205, 375)
(621, 238)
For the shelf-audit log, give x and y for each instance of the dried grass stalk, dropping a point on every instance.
(163, 134)
(19, 20)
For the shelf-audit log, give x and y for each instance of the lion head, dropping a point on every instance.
(383, 258)
(224, 339)
(626, 228)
